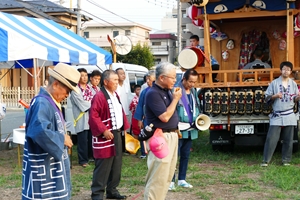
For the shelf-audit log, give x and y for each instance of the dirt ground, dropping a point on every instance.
(8, 161)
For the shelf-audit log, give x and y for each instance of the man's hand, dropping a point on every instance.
(177, 93)
(108, 135)
(297, 97)
(278, 95)
(68, 141)
(140, 124)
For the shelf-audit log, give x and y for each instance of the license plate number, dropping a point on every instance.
(244, 129)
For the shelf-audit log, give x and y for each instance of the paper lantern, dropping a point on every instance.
(193, 12)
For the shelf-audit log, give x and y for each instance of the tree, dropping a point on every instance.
(139, 55)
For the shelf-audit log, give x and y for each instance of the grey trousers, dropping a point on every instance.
(107, 172)
(272, 140)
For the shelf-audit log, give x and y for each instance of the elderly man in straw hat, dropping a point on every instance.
(46, 165)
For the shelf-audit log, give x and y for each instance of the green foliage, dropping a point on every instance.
(139, 55)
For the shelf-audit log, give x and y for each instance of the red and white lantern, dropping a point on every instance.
(193, 12)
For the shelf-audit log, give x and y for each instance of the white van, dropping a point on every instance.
(134, 75)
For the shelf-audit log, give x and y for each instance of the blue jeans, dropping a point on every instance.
(184, 149)
(142, 148)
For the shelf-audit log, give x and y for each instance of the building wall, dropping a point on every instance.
(188, 28)
(164, 47)
(97, 34)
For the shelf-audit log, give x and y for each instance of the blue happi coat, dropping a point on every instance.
(46, 164)
(182, 113)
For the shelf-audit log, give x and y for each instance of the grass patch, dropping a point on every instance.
(214, 175)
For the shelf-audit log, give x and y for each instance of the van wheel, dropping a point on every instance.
(295, 147)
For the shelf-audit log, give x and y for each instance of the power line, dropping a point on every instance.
(140, 36)
(163, 3)
(96, 4)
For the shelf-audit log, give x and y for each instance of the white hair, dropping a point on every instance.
(163, 68)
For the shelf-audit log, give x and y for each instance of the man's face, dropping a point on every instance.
(150, 80)
(194, 42)
(112, 84)
(190, 83)
(121, 74)
(83, 78)
(95, 80)
(60, 91)
(286, 72)
(137, 91)
(169, 79)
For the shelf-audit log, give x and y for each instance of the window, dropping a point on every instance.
(156, 43)
(86, 34)
(147, 35)
(115, 33)
(127, 32)
(135, 79)
(157, 60)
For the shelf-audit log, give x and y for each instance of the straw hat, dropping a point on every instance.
(66, 74)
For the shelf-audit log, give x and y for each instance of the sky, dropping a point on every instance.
(145, 12)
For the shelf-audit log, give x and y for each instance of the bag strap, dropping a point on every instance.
(79, 116)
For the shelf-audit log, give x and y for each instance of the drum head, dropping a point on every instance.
(187, 59)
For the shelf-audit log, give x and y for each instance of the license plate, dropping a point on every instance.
(244, 129)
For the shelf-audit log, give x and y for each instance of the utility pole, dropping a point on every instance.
(179, 17)
(79, 17)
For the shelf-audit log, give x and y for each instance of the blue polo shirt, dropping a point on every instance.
(157, 101)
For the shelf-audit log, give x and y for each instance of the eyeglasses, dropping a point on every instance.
(287, 70)
(173, 78)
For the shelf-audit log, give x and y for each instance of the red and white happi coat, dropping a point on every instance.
(102, 118)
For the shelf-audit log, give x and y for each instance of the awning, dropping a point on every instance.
(27, 38)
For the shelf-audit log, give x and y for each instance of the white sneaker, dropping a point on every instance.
(183, 183)
(172, 186)
(264, 164)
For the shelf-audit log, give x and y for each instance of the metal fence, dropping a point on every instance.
(11, 96)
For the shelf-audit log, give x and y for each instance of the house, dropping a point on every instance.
(163, 46)
(97, 33)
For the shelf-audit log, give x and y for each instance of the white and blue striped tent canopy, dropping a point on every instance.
(31, 38)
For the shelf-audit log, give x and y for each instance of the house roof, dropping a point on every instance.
(40, 9)
(163, 36)
(126, 24)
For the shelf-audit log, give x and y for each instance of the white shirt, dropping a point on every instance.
(123, 94)
(144, 86)
(117, 108)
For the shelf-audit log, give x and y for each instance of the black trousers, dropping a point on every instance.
(107, 172)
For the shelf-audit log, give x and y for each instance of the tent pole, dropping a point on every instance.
(35, 76)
